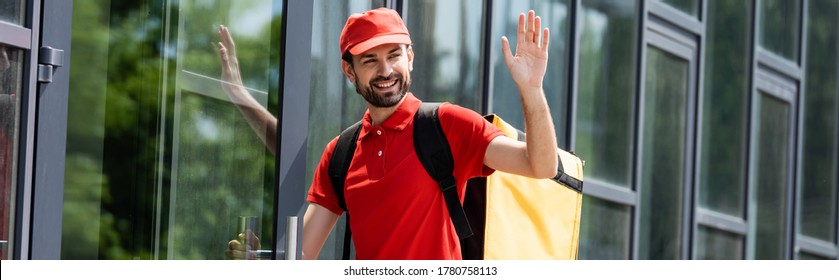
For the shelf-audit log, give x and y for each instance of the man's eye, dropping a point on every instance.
(394, 55)
(368, 61)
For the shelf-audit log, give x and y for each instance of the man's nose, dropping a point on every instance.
(384, 69)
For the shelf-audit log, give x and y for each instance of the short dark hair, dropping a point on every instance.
(347, 57)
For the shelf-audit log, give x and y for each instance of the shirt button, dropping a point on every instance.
(379, 132)
(380, 152)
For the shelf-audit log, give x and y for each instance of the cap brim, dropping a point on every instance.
(380, 40)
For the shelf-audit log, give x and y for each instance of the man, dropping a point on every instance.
(397, 210)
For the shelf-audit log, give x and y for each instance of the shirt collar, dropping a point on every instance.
(400, 118)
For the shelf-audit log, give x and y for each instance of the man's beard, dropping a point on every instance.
(385, 99)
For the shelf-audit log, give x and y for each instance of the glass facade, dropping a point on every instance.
(778, 27)
(819, 164)
(168, 158)
(715, 244)
(599, 244)
(768, 210)
(605, 107)
(663, 159)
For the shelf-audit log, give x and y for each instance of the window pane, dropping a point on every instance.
(161, 162)
(820, 151)
(11, 79)
(778, 27)
(712, 244)
(11, 11)
(663, 156)
(447, 38)
(688, 6)
(331, 92)
(505, 95)
(605, 234)
(605, 107)
(768, 214)
(722, 165)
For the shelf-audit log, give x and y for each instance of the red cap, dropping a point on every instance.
(372, 28)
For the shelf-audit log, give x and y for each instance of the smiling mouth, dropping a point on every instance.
(385, 84)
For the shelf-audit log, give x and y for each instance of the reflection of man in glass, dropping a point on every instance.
(398, 211)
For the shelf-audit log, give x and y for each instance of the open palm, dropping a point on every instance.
(528, 65)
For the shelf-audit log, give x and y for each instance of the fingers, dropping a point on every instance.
(529, 28)
(536, 28)
(505, 48)
(546, 38)
(226, 39)
(521, 33)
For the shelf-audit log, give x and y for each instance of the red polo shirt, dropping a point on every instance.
(398, 211)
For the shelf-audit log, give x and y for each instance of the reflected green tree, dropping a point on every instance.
(132, 125)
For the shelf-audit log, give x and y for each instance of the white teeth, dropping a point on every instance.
(386, 85)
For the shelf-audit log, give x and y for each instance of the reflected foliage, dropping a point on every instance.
(605, 107)
(768, 219)
(725, 106)
(820, 152)
(662, 173)
(778, 27)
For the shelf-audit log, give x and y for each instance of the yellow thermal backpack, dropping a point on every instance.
(503, 216)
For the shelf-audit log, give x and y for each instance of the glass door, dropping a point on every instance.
(164, 158)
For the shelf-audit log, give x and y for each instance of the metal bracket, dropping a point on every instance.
(48, 60)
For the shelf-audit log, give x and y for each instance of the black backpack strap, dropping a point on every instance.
(562, 178)
(435, 155)
(339, 164)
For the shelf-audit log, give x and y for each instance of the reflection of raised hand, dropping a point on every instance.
(230, 74)
(236, 248)
(262, 122)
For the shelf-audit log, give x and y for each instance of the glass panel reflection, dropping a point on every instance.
(778, 27)
(11, 80)
(713, 244)
(606, 233)
(663, 159)
(771, 153)
(819, 176)
(162, 163)
(605, 107)
(725, 106)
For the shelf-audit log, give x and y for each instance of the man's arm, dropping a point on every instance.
(317, 223)
(537, 157)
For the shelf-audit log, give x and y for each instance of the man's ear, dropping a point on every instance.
(346, 67)
(410, 52)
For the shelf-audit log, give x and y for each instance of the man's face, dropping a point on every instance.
(382, 75)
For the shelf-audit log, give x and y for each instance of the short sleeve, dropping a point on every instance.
(321, 192)
(469, 135)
